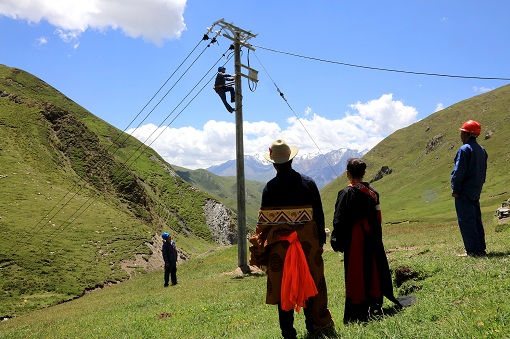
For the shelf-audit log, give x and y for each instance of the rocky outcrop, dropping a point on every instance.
(220, 222)
(385, 170)
(433, 143)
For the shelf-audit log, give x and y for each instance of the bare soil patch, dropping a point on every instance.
(254, 270)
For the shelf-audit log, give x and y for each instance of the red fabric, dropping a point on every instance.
(375, 289)
(297, 282)
(363, 189)
(355, 279)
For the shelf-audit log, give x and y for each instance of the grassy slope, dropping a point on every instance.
(418, 190)
(75, 202)
(457, 297)
(225, 190)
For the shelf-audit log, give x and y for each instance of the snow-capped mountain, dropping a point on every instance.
(323, 168)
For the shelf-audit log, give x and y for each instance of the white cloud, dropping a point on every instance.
(152, 20)
(42, 41)
(482, 89)
(439, 107)
(384, 115)
(70, 37)
(361, 129)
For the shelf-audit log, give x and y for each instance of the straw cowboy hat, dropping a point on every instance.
(280, 152)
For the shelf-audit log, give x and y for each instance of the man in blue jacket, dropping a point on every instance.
(170, 256)
(467, 179)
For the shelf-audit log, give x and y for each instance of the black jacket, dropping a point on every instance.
(169, 253)
(290, 188)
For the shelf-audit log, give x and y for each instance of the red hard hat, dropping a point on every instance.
(471, 126)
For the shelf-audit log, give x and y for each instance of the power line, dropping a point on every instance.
(84, 206)
(283, 97)
(171, 88)
(205, 37)
(34, 230)
(383, 69)
(170, 114)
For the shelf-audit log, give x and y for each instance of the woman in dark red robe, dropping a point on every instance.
(358, 234)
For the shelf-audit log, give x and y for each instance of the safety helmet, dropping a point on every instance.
(165, 235)
(472, 127)
(220, 68)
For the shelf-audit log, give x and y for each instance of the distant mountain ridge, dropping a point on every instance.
(323, 168)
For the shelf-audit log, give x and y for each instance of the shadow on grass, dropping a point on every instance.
(335, 333)
(497, 254)
(389, 312)
(405, 302)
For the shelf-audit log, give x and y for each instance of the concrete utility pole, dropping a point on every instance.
(239, 37)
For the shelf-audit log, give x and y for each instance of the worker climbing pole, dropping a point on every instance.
(222, 85)
(239, 37)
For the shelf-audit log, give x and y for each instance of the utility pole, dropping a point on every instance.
(239, 37)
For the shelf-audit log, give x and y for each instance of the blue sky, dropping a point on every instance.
(112, 56)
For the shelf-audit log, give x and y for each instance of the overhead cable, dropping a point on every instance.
(84, 206)
(299, 119)
(50, 215)
(383, 69)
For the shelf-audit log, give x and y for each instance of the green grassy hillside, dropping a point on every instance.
(421, 159)
(457, 297)
(79, 198)
(225, 190)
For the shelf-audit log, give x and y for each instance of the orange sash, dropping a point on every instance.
(297, 282)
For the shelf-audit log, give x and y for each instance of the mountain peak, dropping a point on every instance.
(323, 168)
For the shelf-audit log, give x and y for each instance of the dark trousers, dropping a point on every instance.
(171, 271)
(286, 319)
(222, 93)
(469, 217)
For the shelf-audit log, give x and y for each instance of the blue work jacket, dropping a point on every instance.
(469, 171)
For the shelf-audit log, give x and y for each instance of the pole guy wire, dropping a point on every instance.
(299, 119)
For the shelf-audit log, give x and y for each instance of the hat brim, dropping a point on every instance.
(284, 159)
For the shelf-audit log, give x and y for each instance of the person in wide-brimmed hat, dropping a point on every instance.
(290, 219)
(280, 152)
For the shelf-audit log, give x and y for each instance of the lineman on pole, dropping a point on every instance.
(222, 85)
